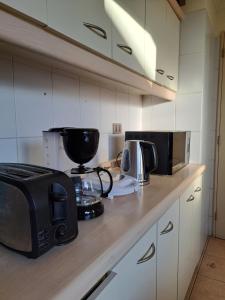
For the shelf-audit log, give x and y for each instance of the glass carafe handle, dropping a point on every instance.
(104, 193)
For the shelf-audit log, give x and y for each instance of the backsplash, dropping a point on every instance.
(34, 98)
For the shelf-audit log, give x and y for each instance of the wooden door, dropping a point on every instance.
(167, 254)
(219, 225)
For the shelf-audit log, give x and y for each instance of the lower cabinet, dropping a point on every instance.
(167, 254)
(161, 264)
(135, 274)
(191, 238)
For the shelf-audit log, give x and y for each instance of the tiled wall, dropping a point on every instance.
(195, 106)
(35, 98)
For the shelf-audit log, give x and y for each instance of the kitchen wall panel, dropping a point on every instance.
(35, 98)
(7, 105)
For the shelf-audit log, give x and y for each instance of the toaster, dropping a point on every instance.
(37, 208)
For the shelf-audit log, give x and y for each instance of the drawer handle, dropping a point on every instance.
(168, 228)
(170, 77)
(125, 48)
(148, 254)
(99, 286)
(96, 29)
(198, 189)
(160, 71)
(191, 198)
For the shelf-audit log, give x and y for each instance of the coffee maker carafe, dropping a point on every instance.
(81, 146)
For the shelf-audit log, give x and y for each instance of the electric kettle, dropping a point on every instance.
(139, 158)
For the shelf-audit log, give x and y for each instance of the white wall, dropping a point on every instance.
(195, 106)
(35, 98)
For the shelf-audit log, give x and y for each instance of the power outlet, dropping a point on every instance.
(116, 128)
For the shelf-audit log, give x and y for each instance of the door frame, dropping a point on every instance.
(220, 94)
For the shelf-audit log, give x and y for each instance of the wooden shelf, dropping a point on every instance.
(36, 41)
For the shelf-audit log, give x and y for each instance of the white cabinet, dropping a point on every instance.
(155, 52)
(128, 22)
(136, 273)
(85, 21)
(162, 43)
(33, 8)
(191, 237)
(172, 48)
(167, 254)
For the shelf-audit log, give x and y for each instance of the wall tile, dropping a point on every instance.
(66, 106)
(90, 105)
(147, 108)
(7, 104)
(195, 147)
(108, 109)
(193, 32)
(188, 111)
(191, 73)
(122, 114)
(162, 115)
(33, 97)
(30, 150)
(135, 112)
(8, 150)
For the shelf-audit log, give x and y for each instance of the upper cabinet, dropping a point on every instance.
(33, 8)
(162, 43)
(82, 20)
(172, 48)
(155, 52)
(128, 23)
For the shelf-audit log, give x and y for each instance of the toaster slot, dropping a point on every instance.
(58, 202)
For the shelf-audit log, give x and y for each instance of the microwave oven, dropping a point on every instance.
(173, 148)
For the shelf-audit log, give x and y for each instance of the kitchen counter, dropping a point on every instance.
(69, 271)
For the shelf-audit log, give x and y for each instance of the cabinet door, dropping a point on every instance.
(85, 21)
(128, 22)
(155, 54)
(136, 272)
(187, 238)
(172, 48)
(167, 254)
(33, 8)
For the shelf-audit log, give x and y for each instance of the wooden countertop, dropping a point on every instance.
(69, 271)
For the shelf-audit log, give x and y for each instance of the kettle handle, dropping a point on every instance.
(104, 193)
(155, 154)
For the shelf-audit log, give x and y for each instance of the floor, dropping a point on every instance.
(210, 282)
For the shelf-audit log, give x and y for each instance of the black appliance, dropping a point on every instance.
(81, 145)
(37, 208)
(173, 148)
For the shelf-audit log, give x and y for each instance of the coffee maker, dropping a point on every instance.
(81, 145)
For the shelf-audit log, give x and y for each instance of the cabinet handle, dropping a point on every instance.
(168, 228)
(198, 189)
(148, 254)
(170, 77)
(125, 48)
(160, 71)
(96, 29)
(191, 198)
(99, 286)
